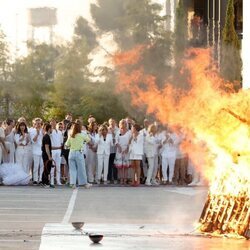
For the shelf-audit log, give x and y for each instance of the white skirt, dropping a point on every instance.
(13, 174)
(133, 156)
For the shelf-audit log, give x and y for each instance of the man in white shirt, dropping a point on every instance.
(36, 136)
(56, 142)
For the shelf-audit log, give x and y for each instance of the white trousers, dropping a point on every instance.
(103, 165)
(56, 155)
(168, 162)
(30, 156)
(91, 162)
(22, 158)
(38, 167)
(156, 167)
(152, 168)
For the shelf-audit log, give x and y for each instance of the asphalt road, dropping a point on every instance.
(24, 211)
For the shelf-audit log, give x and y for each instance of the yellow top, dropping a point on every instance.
(76, 144)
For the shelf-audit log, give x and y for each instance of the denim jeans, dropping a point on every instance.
(77, 168)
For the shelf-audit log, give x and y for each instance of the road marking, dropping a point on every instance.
(26, 208)
(28, 214)
(69, 211)
(23, 200)
(26, 221)
(22, 194)
(20, 241)
(187, 191)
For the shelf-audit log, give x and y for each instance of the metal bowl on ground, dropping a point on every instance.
(96, 238)
(77, 225)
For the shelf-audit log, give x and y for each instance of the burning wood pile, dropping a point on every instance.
(227, 208)
(216, 122)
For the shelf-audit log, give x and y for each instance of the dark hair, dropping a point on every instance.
(91, 127)
(76, 129)
(78, 121)
(47, 127)
(137, 127)
(19, 124)
(8, 121)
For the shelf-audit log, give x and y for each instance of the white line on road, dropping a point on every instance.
(29, 214)
(70, 207)
(27, 221)
(20, 241)
(47, 201)
(22, 194)
(26, 208)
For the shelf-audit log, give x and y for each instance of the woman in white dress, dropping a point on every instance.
(22, 140)
(136, 153)
(122, 156)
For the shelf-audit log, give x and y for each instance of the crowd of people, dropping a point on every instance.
(69, 152)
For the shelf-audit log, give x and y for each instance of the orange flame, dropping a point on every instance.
(214, 120)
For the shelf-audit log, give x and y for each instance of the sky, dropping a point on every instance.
(14, 20)
(14, 23)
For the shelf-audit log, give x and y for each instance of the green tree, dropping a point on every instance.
(231, 63)
(33, 76)
(180, 44)
(180, 31)
(82, 30)
(5, 77)
(134, 22)
(72, 73)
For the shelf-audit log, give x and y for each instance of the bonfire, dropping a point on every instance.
(216, 121)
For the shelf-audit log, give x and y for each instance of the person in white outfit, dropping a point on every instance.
(8, 126)
(144, 132)
(151, 148)
(122, 156)
(91, 157)
(29, 146)
(112, 173)
(22, 140)
(36, 136)
(169, 149)
(181, 162)
(136, 153)
(104, 142)
(3, 148)
(56, 142)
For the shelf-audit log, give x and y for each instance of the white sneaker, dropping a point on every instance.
(154, 182)
(105, 182)
(193, 183)
(148, 184)
(201, 183)
(88, 185)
